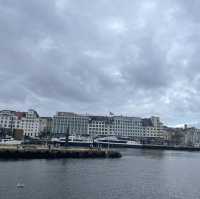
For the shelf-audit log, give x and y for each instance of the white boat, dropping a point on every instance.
(20, 185)
(72, 139)
(114, 141)
(9, 140)
(80, 139)
(59, 140)
(134, 143)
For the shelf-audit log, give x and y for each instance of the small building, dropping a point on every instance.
(45, 126)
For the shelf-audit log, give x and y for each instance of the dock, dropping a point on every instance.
(55, 153)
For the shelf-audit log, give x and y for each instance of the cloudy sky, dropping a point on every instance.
(137, 58)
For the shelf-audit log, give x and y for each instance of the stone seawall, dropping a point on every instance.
(12, 153)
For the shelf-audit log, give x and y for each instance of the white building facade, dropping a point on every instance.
(100, 125)
(45, 125)
(126, 126)
(30, 123)
(77, 124)
(192, 136)
(27, 121)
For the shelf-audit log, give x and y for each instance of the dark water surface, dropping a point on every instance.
(139, 174)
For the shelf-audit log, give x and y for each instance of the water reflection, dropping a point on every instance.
(138, 174)
(145, 153)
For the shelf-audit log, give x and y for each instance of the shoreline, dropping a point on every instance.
(12, 152)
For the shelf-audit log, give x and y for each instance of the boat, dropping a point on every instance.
(61, 140)
(88, 141)
(10, 140)
(20, 185)
(79, 139)
(113, 141)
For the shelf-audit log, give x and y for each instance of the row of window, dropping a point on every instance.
(30, 134)
(27, 129)
(18, 126)
(126, 134)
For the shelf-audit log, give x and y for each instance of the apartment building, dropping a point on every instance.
(27, 121)
(107, 125)
(125, 126)
(30, 123)
(76, 123)
(79, 124)
(45, 125)
(192, 136)
(152, 127)
(100, 125)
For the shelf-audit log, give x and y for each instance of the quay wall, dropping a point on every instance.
(11, 153)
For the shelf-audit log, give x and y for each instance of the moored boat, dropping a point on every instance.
(9, 140)
(113, 141)
(20, 185)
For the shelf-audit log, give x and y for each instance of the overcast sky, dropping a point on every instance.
(137, 58)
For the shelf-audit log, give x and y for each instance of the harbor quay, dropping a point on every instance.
(41, 152)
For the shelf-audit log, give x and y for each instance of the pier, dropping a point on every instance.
(55, 153)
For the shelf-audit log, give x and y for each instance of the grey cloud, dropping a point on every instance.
(130, 57)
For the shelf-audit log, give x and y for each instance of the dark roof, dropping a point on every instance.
(107, 120)
(147, 122)
(20, 114)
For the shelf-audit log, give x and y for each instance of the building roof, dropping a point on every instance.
(105, 119)
(147, 122)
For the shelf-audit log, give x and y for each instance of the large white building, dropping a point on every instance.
(76, 123)
(107, 125)
(79, 124)
(9, 119)
(192, 136)
(45, 125)
(125, 126)
(100, 125)
(29, 121)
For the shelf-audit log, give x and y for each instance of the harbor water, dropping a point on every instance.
(139, 174)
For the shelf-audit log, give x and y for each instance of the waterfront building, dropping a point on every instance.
(76, 123)
(127, 126)
(45, 125)
(80, 124)
(26, 121)
(124, 126)
(106, 125)
(9, 120)
(30, 123)
(100, 125)
(192, 136)
(152, 127)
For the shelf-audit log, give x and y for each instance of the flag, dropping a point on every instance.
(111, 113)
